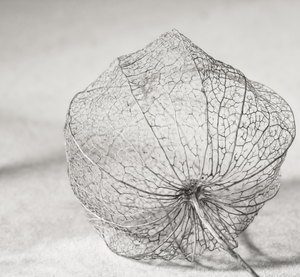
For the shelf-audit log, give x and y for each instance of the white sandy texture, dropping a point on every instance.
(50, 50)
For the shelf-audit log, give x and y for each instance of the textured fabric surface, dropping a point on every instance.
(51, 50)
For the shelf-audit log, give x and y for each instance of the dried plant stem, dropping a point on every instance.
(221, 239)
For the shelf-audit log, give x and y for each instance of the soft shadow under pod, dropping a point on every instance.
(173, 153)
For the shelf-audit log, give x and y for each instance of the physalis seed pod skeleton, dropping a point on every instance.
(172, 152)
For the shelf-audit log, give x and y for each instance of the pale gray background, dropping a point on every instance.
(49, 50)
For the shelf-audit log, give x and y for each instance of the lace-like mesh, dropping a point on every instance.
(165, 123)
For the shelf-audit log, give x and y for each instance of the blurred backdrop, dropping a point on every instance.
(50, 50)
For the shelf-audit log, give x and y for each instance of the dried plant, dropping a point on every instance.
(172, 152)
